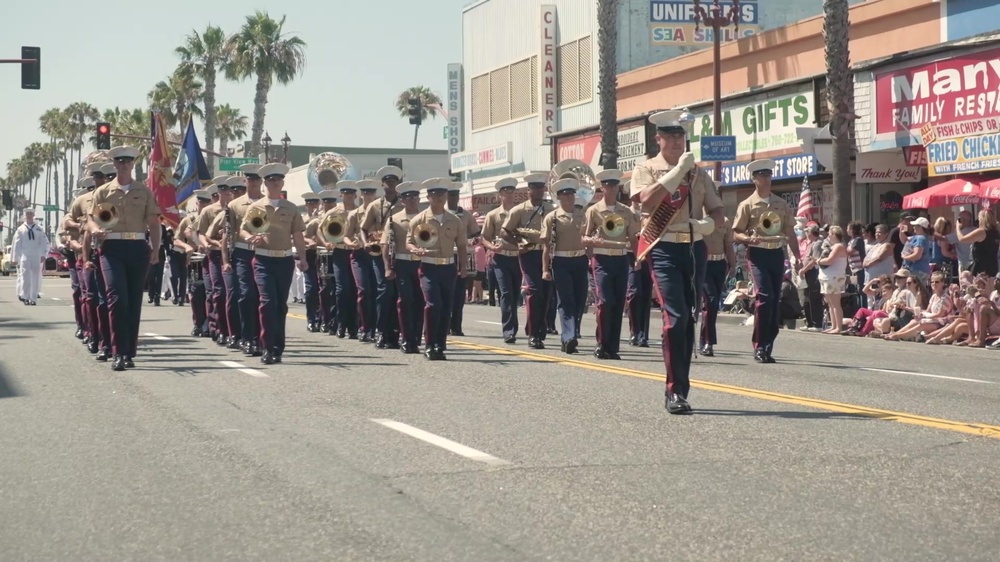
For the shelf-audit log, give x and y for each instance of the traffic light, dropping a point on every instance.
(31, 72)
(415, 111)
(7, 199)
(397, 162)
(103, 136)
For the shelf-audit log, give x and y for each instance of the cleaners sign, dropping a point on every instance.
(980, 153)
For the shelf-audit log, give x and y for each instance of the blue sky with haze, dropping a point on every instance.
(360, 55)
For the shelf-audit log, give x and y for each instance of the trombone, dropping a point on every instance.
(612, 226)
(332, 229)
(256, 221)
(426, 236)
(106, 216)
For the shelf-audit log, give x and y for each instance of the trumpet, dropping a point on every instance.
(525, 232)
(332, 229)
(426, 236)
(769, 224)
(374, 249)
(106, 216)
(256, 221)
(612, 226)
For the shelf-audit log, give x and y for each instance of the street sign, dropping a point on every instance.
(50, 207)
(233, 164)
(718, 149)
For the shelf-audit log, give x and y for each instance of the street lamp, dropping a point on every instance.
(267, 147)
(284, 148)
(717, 18)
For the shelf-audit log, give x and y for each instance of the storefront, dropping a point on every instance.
(482, 169)
(636, 140)
(791, 174)
(884, 177)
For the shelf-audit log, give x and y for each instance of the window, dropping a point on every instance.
(506, 94)
(576, 72)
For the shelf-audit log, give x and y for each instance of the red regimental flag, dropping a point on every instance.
(161, 171)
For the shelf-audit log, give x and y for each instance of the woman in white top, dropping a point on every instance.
(833, 278)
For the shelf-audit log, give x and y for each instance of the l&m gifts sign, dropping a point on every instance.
(764, 125)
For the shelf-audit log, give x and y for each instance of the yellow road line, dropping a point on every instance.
(980, 429)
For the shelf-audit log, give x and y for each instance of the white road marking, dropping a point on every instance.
(439, 441)
(157, 337)
(56, 299)
(925, 375)
(244, 370)
(488, 322)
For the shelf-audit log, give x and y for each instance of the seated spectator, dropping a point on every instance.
(902, 303)
(934, 317)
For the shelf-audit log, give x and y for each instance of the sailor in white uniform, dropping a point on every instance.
(28, 251)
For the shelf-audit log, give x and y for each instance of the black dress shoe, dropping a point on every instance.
(353, 336)
(341, 333)
(267, 358)
(429, 354)
(768, 358)
(129, 364)
(118, 363)
(759, 356)
(707, 351)
(149, 300)
(277, 358)
(643, 343)
(535, 343)
(79, 333)
(601, 354)
(254, 350)
(676, 404)
(569, 346)
(510, 340)
(634, 341)
(614, 356)
(196, 333)
(104, 355)
(552, 332)
(92, 347)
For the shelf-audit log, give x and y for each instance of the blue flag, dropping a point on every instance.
(190, 169)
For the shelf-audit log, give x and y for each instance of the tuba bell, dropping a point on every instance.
(426, 236)
(578, 170)
(106, 216)
(769, 224)
(256, 221)
(332, 229)
(327, 168)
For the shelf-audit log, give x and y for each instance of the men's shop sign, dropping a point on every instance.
(764, 125)
(967, 155)
(950, 98)
(785, 167)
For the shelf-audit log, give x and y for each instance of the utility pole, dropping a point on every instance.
(717, 18)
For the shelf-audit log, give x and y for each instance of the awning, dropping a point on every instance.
(952, 193)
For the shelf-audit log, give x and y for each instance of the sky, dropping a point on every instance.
(360, 55)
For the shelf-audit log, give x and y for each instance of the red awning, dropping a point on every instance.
(959, 191)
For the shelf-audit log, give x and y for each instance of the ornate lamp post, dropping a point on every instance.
(717, 18)
(267, 147)
(285, 141)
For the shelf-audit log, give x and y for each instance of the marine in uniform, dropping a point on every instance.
(223, 230)
(310, 278)
(337, 232)
(214, 287)
(361, 265)
(472, 231)
(240, 255)
(72, 250)
(639, 294)
(611, 231)
(272, 225)
(121, 212)
(523, 228)
(564, 259)
(403, 267)
(154, 279)
(720, 260)
(677, 194)
(765, 223)
(376, 216)
(505, 264)
(324, 267)
(186, 242)
(95, 301)
(436, 235)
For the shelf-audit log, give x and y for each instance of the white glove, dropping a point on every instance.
(672, 179)
(703, 226)
(686, 162)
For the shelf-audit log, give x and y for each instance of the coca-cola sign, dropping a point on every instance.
(959, 96)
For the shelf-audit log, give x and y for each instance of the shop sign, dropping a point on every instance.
(631, 148)
(547, 72)
(953, 98)
(785, 167)
(493, 200)
(671, 23)
(885, 167)
(479, 159)
(765, 125)
(915, 155)
(980, 153)
(455, 130)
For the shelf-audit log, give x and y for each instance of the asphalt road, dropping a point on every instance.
(847, 449)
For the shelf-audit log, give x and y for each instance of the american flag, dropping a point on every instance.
(807, 206)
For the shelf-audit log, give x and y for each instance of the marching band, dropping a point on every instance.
(379, 266)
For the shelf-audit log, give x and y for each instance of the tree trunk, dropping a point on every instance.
(839, 88)
(259, 109)
(416, 129)
(210, 117)
(607, 43)
(223, 146)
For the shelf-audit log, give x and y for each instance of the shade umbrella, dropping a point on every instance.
(959, 191)
(990, 190)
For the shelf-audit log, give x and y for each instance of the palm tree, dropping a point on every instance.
(231, 125)
(607, 71)
(430, 105)
(261, 49)
(178, 97)
(839, 100)
(204, 55)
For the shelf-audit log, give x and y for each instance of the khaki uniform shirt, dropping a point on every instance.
(567, 227)
(526, 215)
(400, 226)
(207, 217)
(78, 212)
(704, 196)
(375, 216)
(135, 207)
(494, 224)
(471, 227)
(749, 210)
(182, 230)
(715, 243)
(599, 212)
(451, 233)
(285, 221)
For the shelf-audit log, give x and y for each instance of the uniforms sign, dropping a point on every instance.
(672, 22)
(953, 97)
(765, 125)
